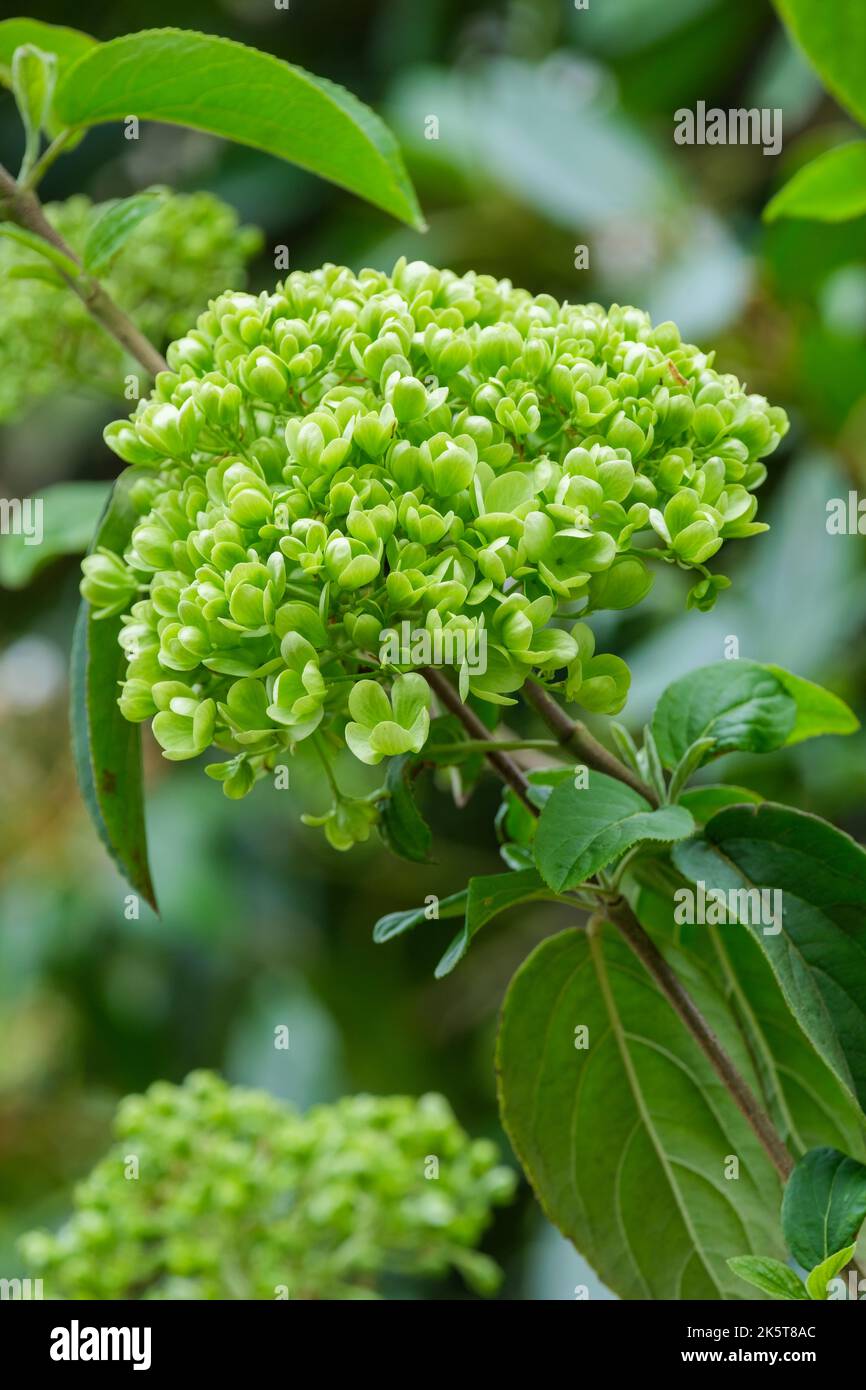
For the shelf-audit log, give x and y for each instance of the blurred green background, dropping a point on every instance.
(555, 130)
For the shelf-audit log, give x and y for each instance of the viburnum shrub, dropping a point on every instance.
(214, 1191)
(374, 516)
(322, 464)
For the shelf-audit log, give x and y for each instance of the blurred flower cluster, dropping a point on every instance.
(169, 266)
(214, 1191)
(351, 452)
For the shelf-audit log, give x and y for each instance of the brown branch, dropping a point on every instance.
(641, 943)
(505, 766)
(24, 208)
(643, 946)
(576, 737)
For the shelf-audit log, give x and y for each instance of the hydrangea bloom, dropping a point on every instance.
(355, 453)
(235, 1195)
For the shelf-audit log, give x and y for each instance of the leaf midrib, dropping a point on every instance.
(597, 956)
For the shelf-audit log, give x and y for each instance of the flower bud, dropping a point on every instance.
(627, 582)
(108, 584)
(264, 374)
(409, 399)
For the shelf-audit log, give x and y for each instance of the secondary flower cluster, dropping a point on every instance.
(214, 1191)
(355, 452)
(170, 265)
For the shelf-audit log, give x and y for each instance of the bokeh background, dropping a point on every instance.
(555, 130)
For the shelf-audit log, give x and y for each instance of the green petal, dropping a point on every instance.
(368, 704)
(410, 697)
(358, 739)
(389, 739)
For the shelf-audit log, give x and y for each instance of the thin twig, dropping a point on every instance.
(577, 738)
(505, 766)
(22, 206)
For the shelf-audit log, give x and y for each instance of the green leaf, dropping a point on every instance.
(222, 87)
(41, 247)
(68, 44)
(741, 705)
(688, 763)
(106, 747)
(706, 802)
(625, 1141)
(626, 746)
(70, 512)
(830, 188)
(824, 1205)
(817, 957)
(769, 1275)
(582, 830)
(115, 223)
(819, 711)
(486, 898)
(818, 1278)
(744, 707)
(741, 999)
(833, 37)
(652, 767)
(401, 825)
(396, 923)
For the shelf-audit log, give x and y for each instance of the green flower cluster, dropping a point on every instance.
(353, 454)
(170, 265)
(213, 1191)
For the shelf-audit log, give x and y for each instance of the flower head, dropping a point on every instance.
(352, 455)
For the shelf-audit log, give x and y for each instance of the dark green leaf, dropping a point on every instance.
(741, 705)
(583, 829)
(486, 898)
(824, 1205)
(402, 827)
(107, 748)
(216, 85)
(70, 513)
(626, 1140)
(514, 820)
(112, 227)
(819, 711)
(741, 998)
(830, 188)
(769, 1275)
(706, 802)
(818, 955)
